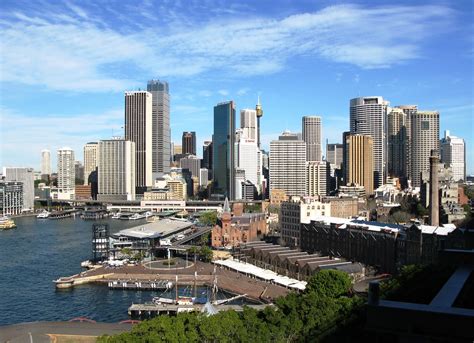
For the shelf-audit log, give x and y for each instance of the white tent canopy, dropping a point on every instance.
(264, 274)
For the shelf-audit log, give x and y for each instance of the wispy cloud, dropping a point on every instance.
(66, 48)
(75, 130)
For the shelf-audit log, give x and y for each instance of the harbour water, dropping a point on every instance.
(39, 251)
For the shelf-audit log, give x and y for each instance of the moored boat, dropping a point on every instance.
(6, 223)
(43, 215)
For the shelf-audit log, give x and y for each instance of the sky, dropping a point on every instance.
(65, 65)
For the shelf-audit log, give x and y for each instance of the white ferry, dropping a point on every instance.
(43, 215)
(6, 223)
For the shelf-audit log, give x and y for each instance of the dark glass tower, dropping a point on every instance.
(161, 132)
(223, 141)
(189, 143)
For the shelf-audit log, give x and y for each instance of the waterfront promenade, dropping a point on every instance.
(58, 332)
(227, 280)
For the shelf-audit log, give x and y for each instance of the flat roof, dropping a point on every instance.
(161, 228)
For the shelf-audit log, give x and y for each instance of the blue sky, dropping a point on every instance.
(65, 65)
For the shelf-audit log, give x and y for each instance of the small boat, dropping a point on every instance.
(116, 215)
(137, 216)
(6, 223)
(43, 215)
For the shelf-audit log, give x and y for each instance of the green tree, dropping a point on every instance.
(208, 218)
(329, 283)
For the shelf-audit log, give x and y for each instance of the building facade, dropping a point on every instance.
(45, 162)
(188, 141)
(11, 198)
(248, 123)
(334, 154)
(116, 170)
(288, 164)
(311, 126)
(139, 129)
(360, 164)
(161, 131)
(453, 152)
(192, 163)
(90, 160)
(424, 138)
(223, 141)
(66, 174)
(316, 178)
(368, 117)
(247, 158)
(27, 178)
(207, 155)
(396, 141)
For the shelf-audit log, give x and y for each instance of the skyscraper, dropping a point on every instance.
(223, 149)
(248, 123)
(259, 110)
(424, 138)
(161, 132)
(90, 159)
(66, 174)
(189, 143)
(192, 163)
(312, 136)
(79, 170)
(247, 158)
(27, 178)
(288, 164)
(360, 164)
(396, 142)
(409, 111)
(45, 162)
(368, 117)
(138, 129)
(453, 152)
(316, 178)
(116, 170)
(207, 155)
(334, 154)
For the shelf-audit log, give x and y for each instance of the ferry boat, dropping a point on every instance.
(142, 215)
(43, 215)
(116, 215)
(6, 223)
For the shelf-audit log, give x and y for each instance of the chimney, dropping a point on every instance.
(434, 188)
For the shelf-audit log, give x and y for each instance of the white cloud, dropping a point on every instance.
(24, 137)
(223, 92)
(72, 50)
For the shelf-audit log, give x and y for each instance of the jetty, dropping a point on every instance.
(153, 310)
(140, 284)
(62, 214)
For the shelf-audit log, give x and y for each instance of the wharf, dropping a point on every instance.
(153, 310)
(140, 285)
(62, 214)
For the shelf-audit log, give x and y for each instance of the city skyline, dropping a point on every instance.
(292, 84)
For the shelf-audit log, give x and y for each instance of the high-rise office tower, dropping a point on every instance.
(259, 110)
(424, 138)
(90, 159)
(138, 129)
(316, 178)
(116, 170)
(453, 152)
(66, 173)
(248, 123)
(223, 141)
(161, 132)
(45, 162)
(27, 177)
(368, 117)
(203, 177)
(334, 154)
(79, 170)
(192, 163)
(360, 163)
(189, 143)
(312, 136)
(288, 164)
(247, 158)
(396, 142)
(409, 111)
(207, 155)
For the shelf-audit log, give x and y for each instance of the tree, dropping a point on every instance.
(208, 218)
(399, 217)
(329, 283)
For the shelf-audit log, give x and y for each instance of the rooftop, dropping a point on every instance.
(164, 227)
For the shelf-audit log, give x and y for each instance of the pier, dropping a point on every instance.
(140, 284)
(62, 214)
(153, 310)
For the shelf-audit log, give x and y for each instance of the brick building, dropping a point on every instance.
(232, 230)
